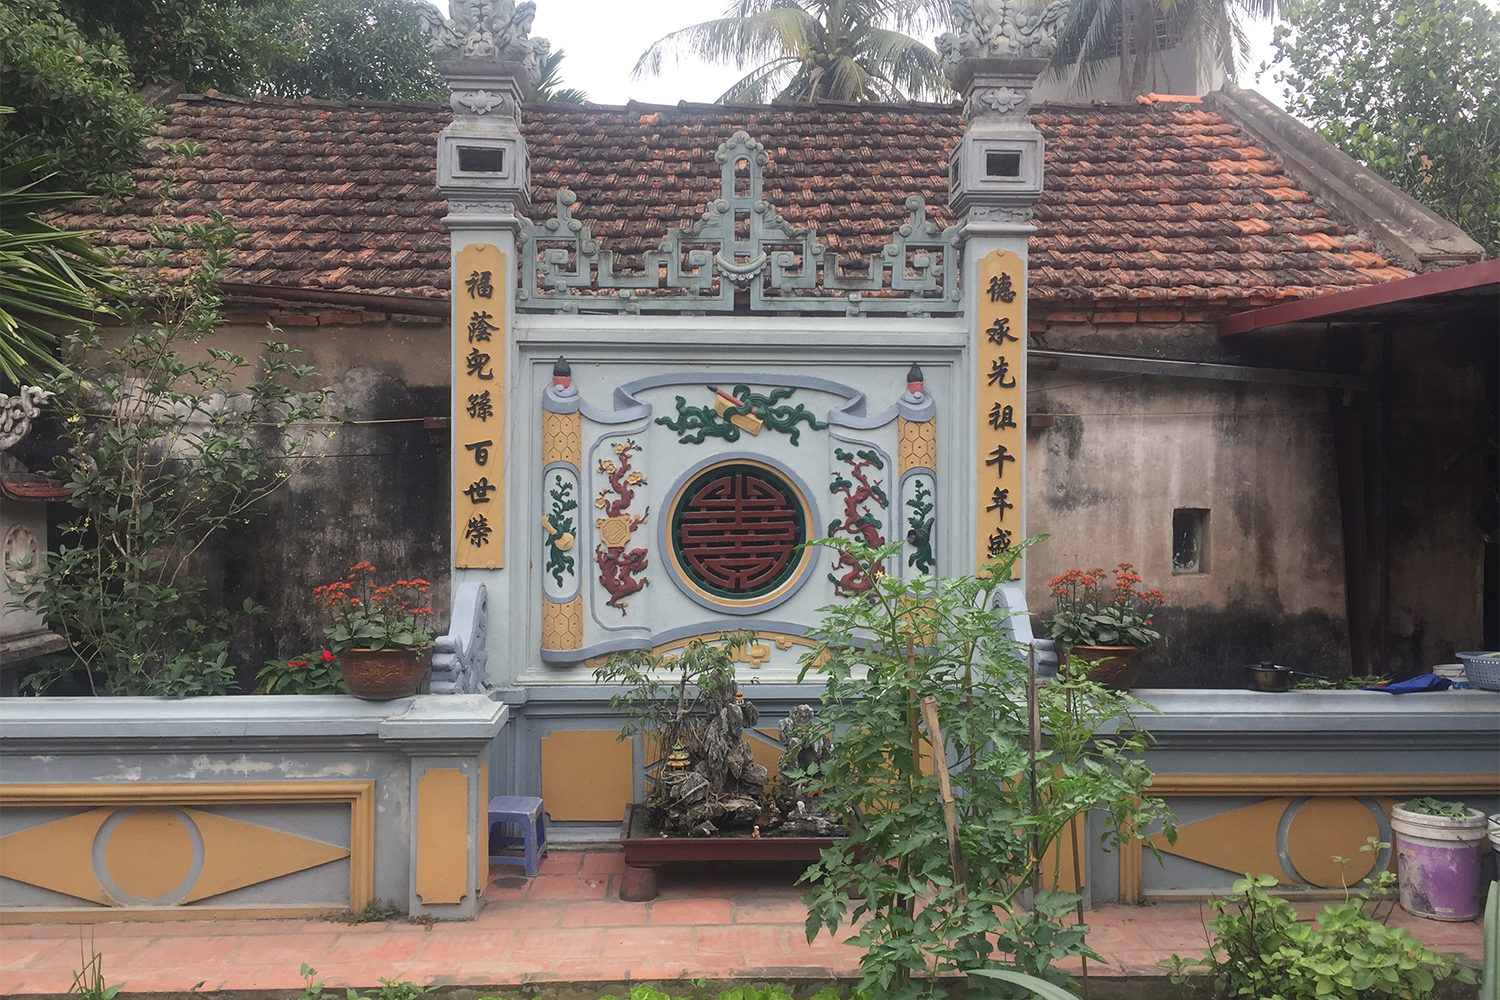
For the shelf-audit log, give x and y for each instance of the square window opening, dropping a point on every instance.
(480, 160)
(1190, 540)
(1002, 164)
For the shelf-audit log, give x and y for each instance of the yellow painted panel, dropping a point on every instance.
(1238, 841)
(1001, 314)
(562, 438)
(1327, 827)
(916, 445)
(237, 854)
(482, 835)
(442, 835)
(149, 853)
(1057, 858)
(562, 624)
(587, 774)
(767, 755)
(481, 282)
(57, 855)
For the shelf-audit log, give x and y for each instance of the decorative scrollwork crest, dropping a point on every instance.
(486, 31)
(993, 29)
(699, 268)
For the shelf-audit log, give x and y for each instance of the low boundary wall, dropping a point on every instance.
(152, 809)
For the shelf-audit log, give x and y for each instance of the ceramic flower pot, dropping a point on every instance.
(1118, 667)
(383, 674)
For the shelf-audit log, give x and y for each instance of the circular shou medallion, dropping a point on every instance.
(734, 532)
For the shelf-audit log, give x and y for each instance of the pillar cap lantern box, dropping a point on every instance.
(479, 159)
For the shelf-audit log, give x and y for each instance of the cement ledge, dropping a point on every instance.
(336, 718)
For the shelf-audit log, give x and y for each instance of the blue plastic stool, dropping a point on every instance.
(526, 812)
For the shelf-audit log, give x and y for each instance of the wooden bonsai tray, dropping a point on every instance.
(644, 851)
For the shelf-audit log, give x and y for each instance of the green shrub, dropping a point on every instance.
(1262, 951)
(882, 653)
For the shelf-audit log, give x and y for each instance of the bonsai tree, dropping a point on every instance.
(707, 776)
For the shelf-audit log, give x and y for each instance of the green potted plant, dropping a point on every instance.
(379, 634)
(1106, 628)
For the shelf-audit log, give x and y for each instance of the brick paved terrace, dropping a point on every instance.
(565, 925)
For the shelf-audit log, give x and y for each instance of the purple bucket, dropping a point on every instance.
(1437, 863)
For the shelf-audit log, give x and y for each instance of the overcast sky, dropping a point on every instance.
(603, 39)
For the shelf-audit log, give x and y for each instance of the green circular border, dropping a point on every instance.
(771, 478)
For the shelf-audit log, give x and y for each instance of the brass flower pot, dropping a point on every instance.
(383, 674)
(1119, 667)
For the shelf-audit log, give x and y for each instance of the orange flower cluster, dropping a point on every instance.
(357, 591)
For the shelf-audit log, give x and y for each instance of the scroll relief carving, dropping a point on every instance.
(18, 411)
(485, 31)
(617, 567)
(698, 269)
(996, 29)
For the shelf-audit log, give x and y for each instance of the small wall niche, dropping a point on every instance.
(1189, 540)
(1002, 164)
(481, 160)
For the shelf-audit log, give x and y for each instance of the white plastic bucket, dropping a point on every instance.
(1437, 863)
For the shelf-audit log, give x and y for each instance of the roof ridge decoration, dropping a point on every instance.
(563, 267)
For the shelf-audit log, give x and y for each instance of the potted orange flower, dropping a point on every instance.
(1108, 628)
(378, 633)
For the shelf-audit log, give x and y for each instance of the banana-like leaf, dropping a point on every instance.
(1040, 987)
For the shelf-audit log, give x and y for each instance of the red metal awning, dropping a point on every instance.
(1373, 301)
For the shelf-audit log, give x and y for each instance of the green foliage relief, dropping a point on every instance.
(560, 527)
(694, 424)
(1410, 88)
(919, 527)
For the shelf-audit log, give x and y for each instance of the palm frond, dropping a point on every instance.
(732, 41)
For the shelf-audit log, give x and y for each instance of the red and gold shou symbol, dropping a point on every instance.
(736, 531)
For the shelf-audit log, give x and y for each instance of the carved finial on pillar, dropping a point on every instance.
(486, 54)
(914, 381)
(993, 57)
(562, 373)
(18, 411)
(997, 50)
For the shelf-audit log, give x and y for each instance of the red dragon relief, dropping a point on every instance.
(618, 568)
(862, 497)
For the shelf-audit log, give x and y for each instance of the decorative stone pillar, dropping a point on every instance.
(993, 59)
(489, 61)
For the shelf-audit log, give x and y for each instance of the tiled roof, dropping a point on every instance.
(1146, 201)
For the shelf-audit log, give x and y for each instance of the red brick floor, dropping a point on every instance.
(566, 924)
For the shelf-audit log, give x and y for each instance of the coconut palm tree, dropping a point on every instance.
(1138, 31)
(550, 86)
(808, 50)
(47, 275)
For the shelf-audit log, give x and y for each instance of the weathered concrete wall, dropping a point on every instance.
(1126, 450)
(376, 491)
(1441, 460)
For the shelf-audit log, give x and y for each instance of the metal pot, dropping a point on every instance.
(1268, 677)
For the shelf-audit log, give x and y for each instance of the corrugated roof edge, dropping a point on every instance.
(1401, 226)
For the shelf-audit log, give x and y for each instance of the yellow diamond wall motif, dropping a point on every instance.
(1249, 840)
(158, 855)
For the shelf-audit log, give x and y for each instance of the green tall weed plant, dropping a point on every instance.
(882, 652)
(171, 441)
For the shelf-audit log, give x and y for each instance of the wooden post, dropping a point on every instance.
(950, 808)
(1034, 728)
